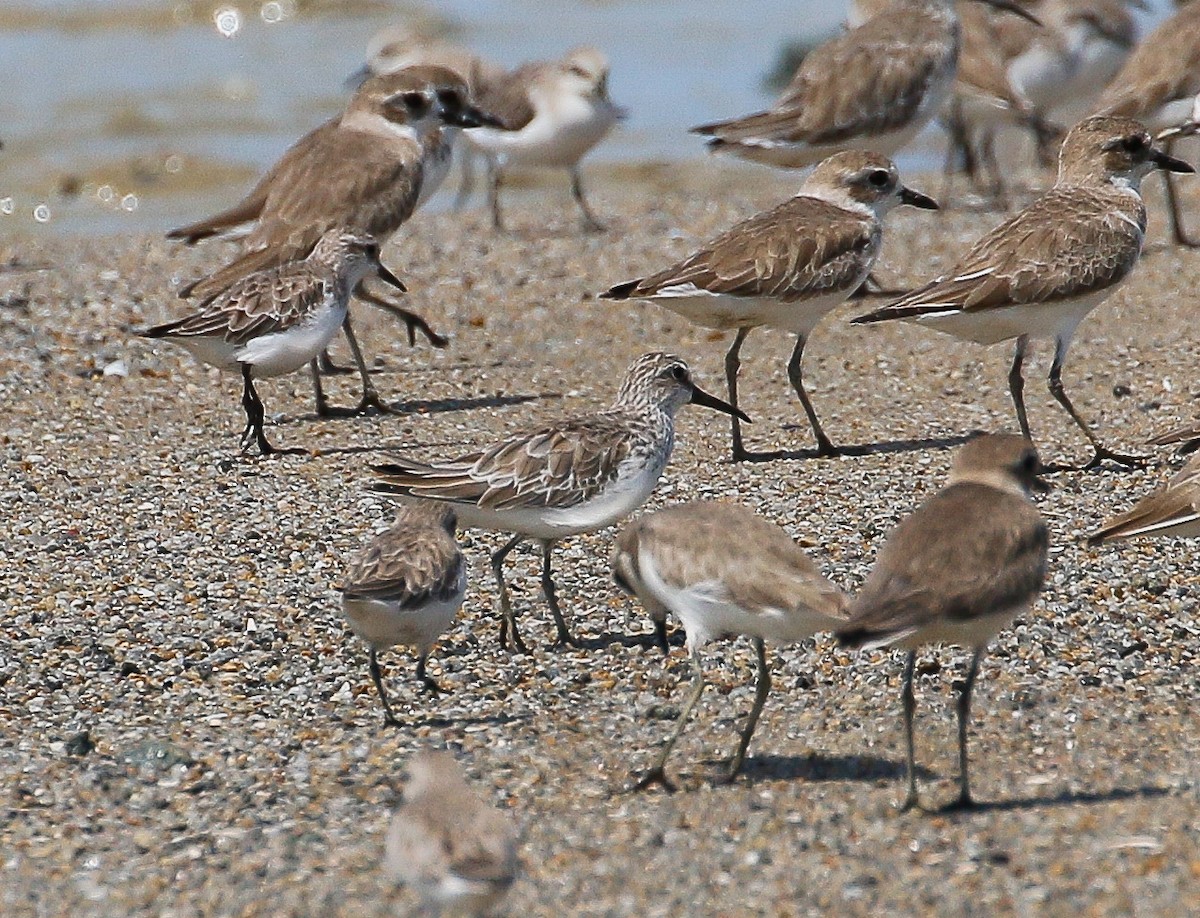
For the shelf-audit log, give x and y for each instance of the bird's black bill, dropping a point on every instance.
(1015, 8)
(916, 199)
(471, 117)
(1169, 163)
(700, 397)
(389, 278)
(358, 77)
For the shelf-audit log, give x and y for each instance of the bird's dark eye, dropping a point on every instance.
(450, 98)
(678, 373)
(1136, 143)
(416, 102)
(879, 178)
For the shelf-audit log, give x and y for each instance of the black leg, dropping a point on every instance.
(910, 705)
(466, 166)
(1016, 385)
(389, 719)
(424, 678)
(660, 635)
(733, 364)
(560, 624)
(370, 398)
(590, 223)
(1056, 389)
(657, 773)
(412, 321)
(495, 179)
(964, 800)
(825, 446)
(508, 618)
(254, 415)
(323, 407)
(762, 688)
(327, 367)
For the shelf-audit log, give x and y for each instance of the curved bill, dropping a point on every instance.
(1015, 8)
(1169, 163)
(700, 397)
(389, 278)
(914, 198)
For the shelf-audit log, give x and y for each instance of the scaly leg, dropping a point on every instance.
(508, 618)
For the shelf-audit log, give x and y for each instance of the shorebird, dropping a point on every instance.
(872, 88)
(363, 172)
(957, 570)
(785, 268)
(1173, 510)
(1187, 438)
(724, 571)
(405, 587)
(576, 475)
(1157, 85)
(454, 850)
(552, 114)
(394, 48)
(1042, 271)
(276, 320)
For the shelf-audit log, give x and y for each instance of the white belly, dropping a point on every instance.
(975, 632)
(384, 624)
(1056, 320)
(719, 310)
(557, 136)
(287, 351)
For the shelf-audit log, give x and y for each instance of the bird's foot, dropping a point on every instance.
(649, 779)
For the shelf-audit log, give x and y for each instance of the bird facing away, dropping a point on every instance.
(957, 570)
(274, 321)
(579, 474)
(785, 268)
(1173, 510)
(553, 113)
(724, 571)
(1157, 85)
(364, 171)
(405, 587)
(445, 842)
(1040, 273)
(870, 88)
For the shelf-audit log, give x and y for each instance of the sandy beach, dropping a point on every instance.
(190, 728)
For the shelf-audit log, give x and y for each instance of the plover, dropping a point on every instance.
(405, 587)
(579, 474)
(276, 320)
(957, 570)
(1173, 510)
(363, 171)
(872, 88)
(1157, 85)
(553, 113)
(785, 268)
(724, 571)
(457, 853)
(1187, 438)
(1040, 273)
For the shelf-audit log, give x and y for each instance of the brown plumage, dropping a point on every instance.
(1165, 67)
(1173, 510)
(416, 560)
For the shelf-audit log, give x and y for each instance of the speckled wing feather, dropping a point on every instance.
(1176, 504)
(481, 848)
(1068, 243)
(766, 256)
(968, 552)
(557, 466)
(409, 566)
(507, 97)
(1164, 67)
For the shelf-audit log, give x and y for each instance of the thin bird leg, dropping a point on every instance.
(657, 774)
(1056, 389)
(508, 618)
(660, 635)
(326, 365)
(1016, 385)
(590, 223)
(564, 633)
(370, 398)
(1177, 229)
(466, 164)
(964, 801)
(323, 407)
(494, 181)
(987, 155)
(389, 719)
(761, 688)
(825, 446)
(412, 321)
(254, 415)
(733, 363)
(426, 680)
(910, 705)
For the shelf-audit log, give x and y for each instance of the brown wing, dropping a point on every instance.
(766, 256)
(969, 551)
(1165, 66)
(408, 565)
(507, 97)
(1175, 505)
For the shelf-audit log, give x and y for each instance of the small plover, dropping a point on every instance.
(785, 268)
(552, 114)
(276, 320)
(579, 474)
(957, 570)
(1040, 273)
(1173, 510)
(725, 571)
(405, 587)
(457, 853)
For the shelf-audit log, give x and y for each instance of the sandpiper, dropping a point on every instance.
(405, 587)
(276, 320)
(785, 268)
(553, 114)
(724, 571)
(580, 474)
(363, 171)
(872, 88)
(457, 853)
(1042, 271)
(957, 570)
(1158, 84)
(1173, 510)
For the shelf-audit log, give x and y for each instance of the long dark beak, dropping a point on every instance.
(1168, 163)
(916, 199)
(389, 278)
(1015, 8)
(471, 117)
(358, 77)
(700, 397)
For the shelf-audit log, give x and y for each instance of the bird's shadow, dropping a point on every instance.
(437, 406)
(816, 766)
(440, 721)
(1066, 798)
(647, 639)
(864, 449)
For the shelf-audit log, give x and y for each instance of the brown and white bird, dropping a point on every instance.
(278, 319)
(957, 570)
(405, 587)
(1040, 273)
(724, 571)
(785, 268)
(552, 114)
(872, 88)
(457, 853)
(1158, 85)
(1173, 510)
